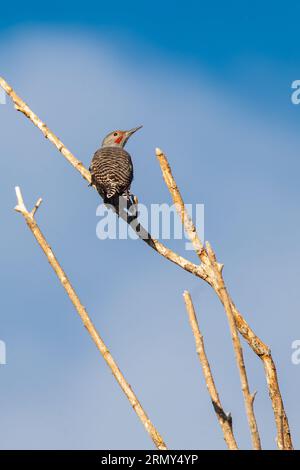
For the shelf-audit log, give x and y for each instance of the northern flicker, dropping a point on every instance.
(111, 167)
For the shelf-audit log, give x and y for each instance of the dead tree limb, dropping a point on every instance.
(224, 419)
(21, 106)
(214, 277)
(126, 388)
(215, 274)
(284, 440)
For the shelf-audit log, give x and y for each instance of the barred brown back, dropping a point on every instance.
(112, 171)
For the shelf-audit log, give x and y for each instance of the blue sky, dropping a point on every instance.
(215, 33)
(211, 85)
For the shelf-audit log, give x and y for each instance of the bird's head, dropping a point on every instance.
(118, 138)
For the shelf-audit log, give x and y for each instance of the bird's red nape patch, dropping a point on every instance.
(119, 139)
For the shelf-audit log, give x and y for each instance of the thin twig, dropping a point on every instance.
(224, 419)
(214, 277)
(126, 388)
(259, 347)
(37, 205)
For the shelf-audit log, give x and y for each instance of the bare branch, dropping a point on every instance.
(21, 106)
(37, 205)
(126, 388)
(178, 201)
(20, 207)
(220, 289)
(253, 396)
(224, 419)
(214, 277)
(262, 350)
(214, 271)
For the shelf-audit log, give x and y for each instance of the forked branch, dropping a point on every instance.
(214, 272)
(126, 388)
(283, 433)
(214, 277)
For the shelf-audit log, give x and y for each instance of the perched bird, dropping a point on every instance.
(111, 167)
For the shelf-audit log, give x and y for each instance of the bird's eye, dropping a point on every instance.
(115, 134)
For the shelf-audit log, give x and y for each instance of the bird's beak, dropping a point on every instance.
(132, 131)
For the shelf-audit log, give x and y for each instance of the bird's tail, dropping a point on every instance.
(125, 204)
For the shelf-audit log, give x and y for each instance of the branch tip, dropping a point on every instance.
(20, 207)
(37, 205)
(253, 396)
(19, 195)
(220, 266)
